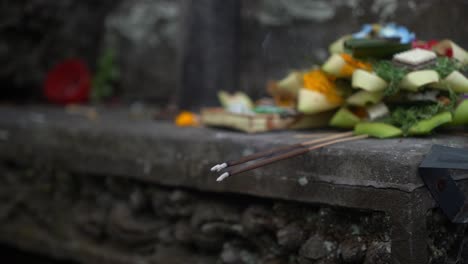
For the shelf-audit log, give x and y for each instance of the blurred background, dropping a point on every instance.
(178, 53)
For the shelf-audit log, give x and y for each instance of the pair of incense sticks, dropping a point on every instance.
(280, 153)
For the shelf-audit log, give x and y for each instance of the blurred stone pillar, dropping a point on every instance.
(146, 36)
(210, 51)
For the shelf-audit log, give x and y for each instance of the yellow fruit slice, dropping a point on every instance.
(291, 83)
(312, 102)
(333, 65)
(455, 81)
(365, 98)
(344, 118)
(416, 79)
(368, 81)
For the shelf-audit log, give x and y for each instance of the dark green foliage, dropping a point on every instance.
(391, 74)
(104, 78)
(445, 65)
(405, 116)
(394, 74)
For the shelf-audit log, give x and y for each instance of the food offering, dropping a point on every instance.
(380, 81)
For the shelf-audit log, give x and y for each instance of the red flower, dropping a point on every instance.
(68, 82)
(449, 52)
(424, 44)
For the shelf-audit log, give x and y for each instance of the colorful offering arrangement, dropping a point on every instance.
(380, 82)
(383, 82)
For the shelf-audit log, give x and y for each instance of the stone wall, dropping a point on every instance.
(150, 38)
(98, 218)
(107, 219)
(146, 35)
(116, 189)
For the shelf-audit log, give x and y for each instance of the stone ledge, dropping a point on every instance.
(379, 175)
(116, 144)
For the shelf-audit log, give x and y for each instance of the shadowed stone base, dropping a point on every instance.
(95, 218)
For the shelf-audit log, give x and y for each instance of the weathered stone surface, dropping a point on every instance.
(291, 236)
(378, 253)
(447, 241)
(146, 36)
(143, 148)
(258, 219)
(233, 254)
(317, 247)
(92, 218)
(344, 175)
(210, 53)
(352, 250)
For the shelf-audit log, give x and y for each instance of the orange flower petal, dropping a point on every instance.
(186, 118)
(317, 80)
(353, 64)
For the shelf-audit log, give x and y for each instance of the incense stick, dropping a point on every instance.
(314, 135)
(268, 152)
(286, 155)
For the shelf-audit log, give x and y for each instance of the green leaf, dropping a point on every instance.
(406, 116)
(106, 74)
(445, 65)
(377, 129)
(391, 74)
(425, 126)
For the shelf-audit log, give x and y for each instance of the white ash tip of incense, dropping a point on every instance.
(215, 167)
(222, 177)
(219, 167)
